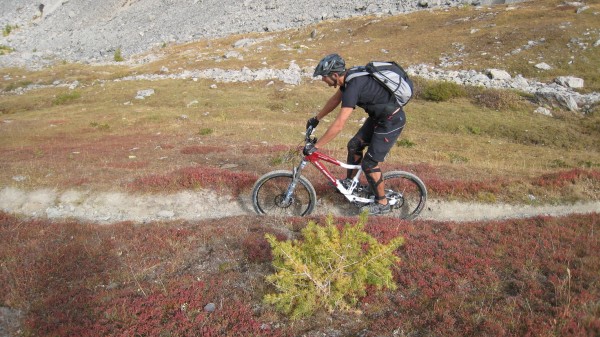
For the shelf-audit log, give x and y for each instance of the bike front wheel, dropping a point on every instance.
(269, 191)
(406, 193)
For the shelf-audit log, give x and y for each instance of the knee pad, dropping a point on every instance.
(368, 165)
(356, 145)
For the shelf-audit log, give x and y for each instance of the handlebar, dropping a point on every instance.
(309, 138)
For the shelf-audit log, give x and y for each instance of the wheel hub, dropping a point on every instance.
(280, 201)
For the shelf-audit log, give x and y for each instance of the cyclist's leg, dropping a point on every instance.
(375, 178)
(385, 134)
(357, 144)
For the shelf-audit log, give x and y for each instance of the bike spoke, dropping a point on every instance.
(406, 192)
(269, 197)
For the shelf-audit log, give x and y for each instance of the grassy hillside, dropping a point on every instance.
(523, 277)
(98, 136)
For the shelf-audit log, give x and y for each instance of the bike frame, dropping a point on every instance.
(315, 158)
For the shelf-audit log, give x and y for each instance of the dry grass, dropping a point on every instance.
(103, 138)
(98, 141)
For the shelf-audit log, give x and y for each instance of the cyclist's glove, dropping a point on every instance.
(312, 122)
(309, 149)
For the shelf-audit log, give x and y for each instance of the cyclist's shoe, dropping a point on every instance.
(376, 208)
(346, 183)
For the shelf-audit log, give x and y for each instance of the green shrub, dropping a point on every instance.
(66, 98)
(457, 159)
(5, 49)
(475, 130)
(8, 29)
(329, 269)
(118, 57)
(442, 91)
(405, 143)
(99, 126)
(205, 131)
(13, 86)
(497, 99)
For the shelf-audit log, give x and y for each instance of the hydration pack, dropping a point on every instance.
(390, 75)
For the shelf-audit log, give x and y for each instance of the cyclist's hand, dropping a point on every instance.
(309, 149)
(312, 122)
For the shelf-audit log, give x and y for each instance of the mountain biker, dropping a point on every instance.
(379, 132)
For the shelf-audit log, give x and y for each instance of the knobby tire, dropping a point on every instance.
(269, 191)
(409, 189)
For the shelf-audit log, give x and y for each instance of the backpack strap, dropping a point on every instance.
(356, 72)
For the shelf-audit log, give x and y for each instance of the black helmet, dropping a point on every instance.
(332, 63)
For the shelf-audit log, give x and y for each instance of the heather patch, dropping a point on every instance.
(531, 276)
(220, 180)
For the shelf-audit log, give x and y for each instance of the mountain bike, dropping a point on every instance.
(289, 193)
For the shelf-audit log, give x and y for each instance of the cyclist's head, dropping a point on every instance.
(332, 63)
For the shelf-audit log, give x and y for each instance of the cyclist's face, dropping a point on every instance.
(331, 80)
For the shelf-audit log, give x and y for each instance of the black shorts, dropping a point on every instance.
(381, 134)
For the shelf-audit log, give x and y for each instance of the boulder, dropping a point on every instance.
(569, 81)
(496, 74)
(558, 98)
(543, 66)
(543, 111)
(142, 94)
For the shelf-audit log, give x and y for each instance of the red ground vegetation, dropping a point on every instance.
(529, 277)
(202, 149)
(223, 181)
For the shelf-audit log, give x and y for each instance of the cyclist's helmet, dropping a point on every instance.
(332, 63)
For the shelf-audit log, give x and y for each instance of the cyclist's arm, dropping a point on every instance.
(335, 127)
(331, 104)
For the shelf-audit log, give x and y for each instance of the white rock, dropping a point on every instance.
(497, 74)
(582, 9)
(569, 81)
(233, 55)
(142, 94)
(543, 111)
(244, 43)
(543, 66)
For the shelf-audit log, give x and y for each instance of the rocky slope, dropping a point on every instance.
(90, 30)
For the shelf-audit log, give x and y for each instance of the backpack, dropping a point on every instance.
(390, 75)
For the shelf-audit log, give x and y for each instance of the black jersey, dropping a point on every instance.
(367, 93)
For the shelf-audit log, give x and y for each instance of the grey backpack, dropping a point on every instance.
(390, 75)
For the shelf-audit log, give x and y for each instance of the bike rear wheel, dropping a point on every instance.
(268, 195)
(406, 193)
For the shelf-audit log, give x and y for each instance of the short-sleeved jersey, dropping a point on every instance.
(367, 93)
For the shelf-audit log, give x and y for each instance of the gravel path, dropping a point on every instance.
(111, 207)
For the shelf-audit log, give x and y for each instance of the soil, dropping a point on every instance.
(112, 207)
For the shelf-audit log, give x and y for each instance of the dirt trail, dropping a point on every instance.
(111, 207)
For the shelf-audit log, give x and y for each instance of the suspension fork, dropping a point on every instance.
(296, 173)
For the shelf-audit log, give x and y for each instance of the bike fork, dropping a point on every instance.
(296, 173)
